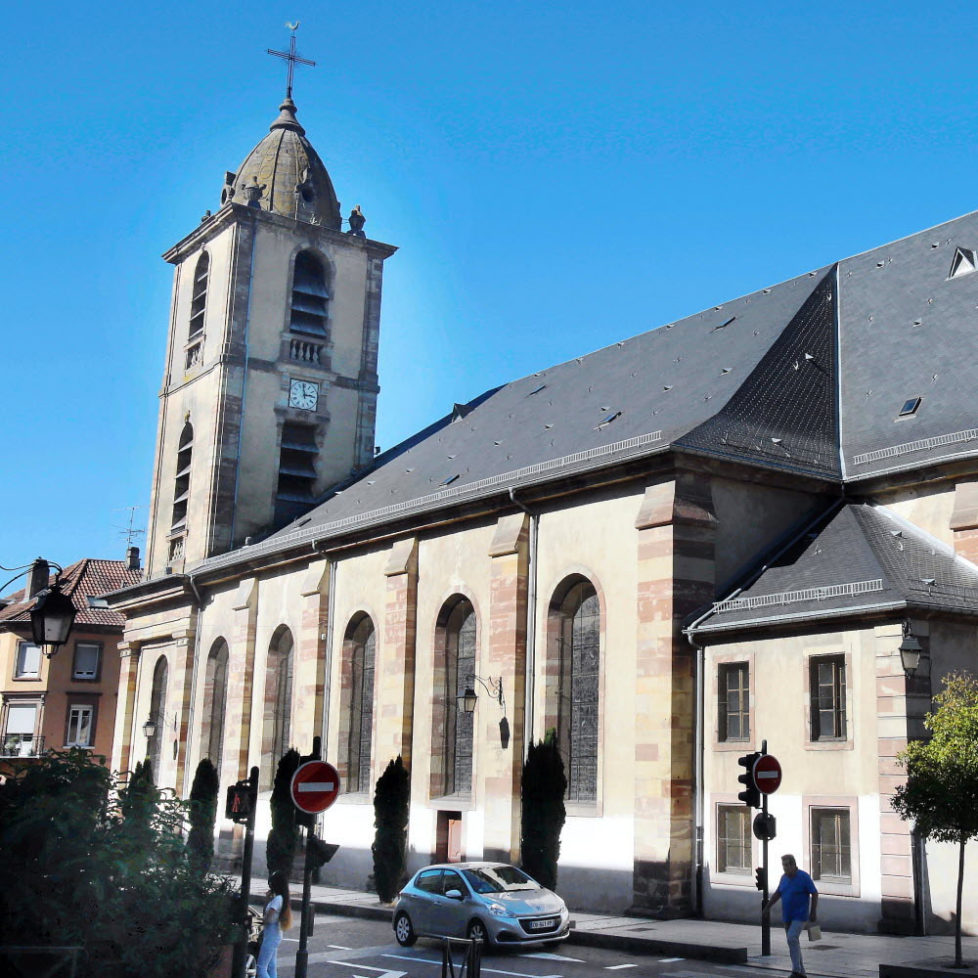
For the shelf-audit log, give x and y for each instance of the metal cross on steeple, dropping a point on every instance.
(292, 58)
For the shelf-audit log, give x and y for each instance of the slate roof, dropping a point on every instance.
(857, 559)
(807, 376)
(81, 580)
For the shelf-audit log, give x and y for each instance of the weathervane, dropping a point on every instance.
(290, 56)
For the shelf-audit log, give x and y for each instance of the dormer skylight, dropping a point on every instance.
(964, 262)
(909, 407)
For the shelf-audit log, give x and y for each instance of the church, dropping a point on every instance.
(706, 539)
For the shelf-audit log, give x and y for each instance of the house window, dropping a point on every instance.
(828, 697)
(831, 845)
(361, 645)
(310, 297)
(19, 739)
(81, 726)
(734, 702)
(577, 710)
(733, 839)
(28, 661)
(87, 656)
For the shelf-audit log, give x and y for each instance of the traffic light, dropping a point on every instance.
(750, 796)
(760, 878)
(319, 852)
(237, 808)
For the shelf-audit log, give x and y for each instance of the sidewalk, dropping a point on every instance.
(837, 955)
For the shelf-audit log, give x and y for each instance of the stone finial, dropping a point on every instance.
(253, 192)
(357, 221)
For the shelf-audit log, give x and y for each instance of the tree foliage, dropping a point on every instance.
(283, 837)
(392, 799)
(542, 788)
(941, 791)
(203, 814)
(87, 862)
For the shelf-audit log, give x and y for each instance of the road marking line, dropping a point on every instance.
(339, 947)
(670, 960)
(488, 971)
(547, 956)
(619, 967)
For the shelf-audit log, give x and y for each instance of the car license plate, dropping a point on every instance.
(541, 924)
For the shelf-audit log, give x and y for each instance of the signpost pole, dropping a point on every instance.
(765, 917)
(241, 945)
(302, 955)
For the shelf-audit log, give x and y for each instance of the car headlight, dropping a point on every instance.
(498, 910)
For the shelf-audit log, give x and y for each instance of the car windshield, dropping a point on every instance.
(499, 879)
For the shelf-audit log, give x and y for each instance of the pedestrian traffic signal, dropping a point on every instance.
(760, 878)
(238, 805)
(751, 795)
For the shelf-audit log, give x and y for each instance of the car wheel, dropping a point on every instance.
(403, 930)
(251, 966)
(477, 932)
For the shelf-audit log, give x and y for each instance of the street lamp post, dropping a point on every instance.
(52, 613)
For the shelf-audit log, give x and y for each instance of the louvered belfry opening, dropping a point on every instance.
(199, 300)
(296, 471)
(181, 491)
(310, 296)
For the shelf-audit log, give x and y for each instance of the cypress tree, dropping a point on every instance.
(284, 834)
(203, 813)
(392, 799)
(542, 788)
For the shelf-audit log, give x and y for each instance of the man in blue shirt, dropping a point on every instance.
(795, 887)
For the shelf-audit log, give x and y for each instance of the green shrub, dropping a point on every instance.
(391, 809)
(203, 814)
(85, 863)
(283, 837)
(542, 789)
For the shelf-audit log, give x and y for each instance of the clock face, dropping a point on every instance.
(303, 395)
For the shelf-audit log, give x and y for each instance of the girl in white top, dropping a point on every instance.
(278, 918)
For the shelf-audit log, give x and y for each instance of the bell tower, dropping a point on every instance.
(270, 384)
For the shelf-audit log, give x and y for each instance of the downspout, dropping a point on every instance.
(328, 653)
(531, 615)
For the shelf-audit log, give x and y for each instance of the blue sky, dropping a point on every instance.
(556, 176)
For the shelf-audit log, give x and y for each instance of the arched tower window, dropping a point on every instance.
(455, 664)
(310, 296)
(295, 492)
(574, 656)
(277, 720)
(198, 303)
(181, 492)
(157, 713)
(215, 702)
(359, 647)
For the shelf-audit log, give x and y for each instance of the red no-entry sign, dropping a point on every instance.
(315, 786)
(767, 773)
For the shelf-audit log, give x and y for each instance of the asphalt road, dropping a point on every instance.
(346, 947)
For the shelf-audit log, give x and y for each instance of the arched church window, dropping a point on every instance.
(215, 702)
(457, 643)
(310, 296)
(277, 716)
(157, 713)
(198, 304)
(575, 617)
(359, 651)
(181, 491)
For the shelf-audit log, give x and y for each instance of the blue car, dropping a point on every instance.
(490, 902)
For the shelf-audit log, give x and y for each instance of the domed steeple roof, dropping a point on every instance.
(284, 174)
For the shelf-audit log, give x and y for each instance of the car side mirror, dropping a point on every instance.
(454, 894)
